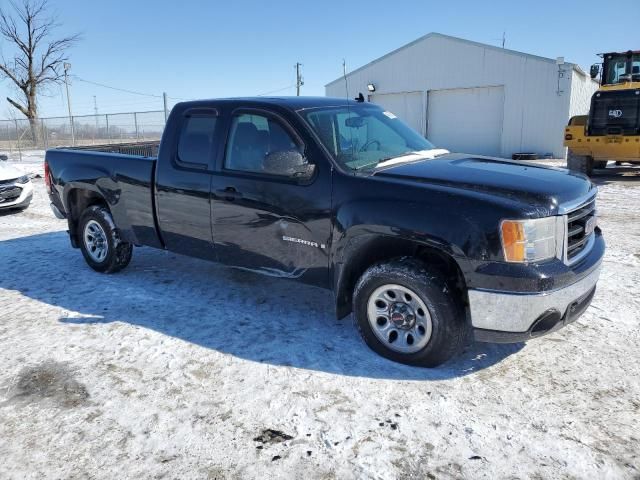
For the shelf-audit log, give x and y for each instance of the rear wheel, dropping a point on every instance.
(408, 313)
(580, 163)
(101, 246)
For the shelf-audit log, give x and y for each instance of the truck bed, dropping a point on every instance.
(124, 180)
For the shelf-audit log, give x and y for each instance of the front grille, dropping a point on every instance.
(8, 182)
(580, 228)
(615, 113)
(9, 194)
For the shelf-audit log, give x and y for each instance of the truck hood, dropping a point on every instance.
(7, 172)
(527, 183)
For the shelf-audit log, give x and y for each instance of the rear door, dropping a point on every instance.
(183, 182)
(274, 224)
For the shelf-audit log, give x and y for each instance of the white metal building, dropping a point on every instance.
(475, 98)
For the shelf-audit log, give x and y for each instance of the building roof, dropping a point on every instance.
(456, 39)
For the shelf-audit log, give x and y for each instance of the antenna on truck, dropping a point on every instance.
(344, 74)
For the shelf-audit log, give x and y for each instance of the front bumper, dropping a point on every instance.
(22, 200)
(507, 317)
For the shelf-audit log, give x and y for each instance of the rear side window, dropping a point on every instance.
(197, 140)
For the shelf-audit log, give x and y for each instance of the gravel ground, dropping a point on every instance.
(178, 368)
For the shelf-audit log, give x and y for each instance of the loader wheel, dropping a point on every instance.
(580, 163)
(600, 164)
(100, 241)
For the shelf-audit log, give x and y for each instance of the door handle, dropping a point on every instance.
(229, 193)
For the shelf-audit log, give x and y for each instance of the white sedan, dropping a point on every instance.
(16, 189)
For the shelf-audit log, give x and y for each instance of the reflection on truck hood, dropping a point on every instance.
(530, 183)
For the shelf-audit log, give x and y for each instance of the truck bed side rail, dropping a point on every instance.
(140, 149)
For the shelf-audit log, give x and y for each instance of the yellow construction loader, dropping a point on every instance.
(611, 131)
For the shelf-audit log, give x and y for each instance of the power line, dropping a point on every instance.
(116, 88)
(276, 91)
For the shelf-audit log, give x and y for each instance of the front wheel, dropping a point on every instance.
(408, 313)
(101, 245)
(580, 163)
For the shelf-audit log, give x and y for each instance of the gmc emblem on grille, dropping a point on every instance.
(590, 226)
(617, 113)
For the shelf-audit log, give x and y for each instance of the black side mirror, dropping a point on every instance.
(290, 163)
(595, 70)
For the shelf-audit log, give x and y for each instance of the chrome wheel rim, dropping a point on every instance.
(399, 318)
(95, 241)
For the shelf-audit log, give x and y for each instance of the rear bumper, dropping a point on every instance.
(507, 317)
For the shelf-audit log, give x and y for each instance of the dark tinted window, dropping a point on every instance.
(252, 138)
(197, 139)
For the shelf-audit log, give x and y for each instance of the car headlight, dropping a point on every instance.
(23, 179)
(530, 240)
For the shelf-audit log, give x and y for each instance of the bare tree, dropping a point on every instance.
(38, 60)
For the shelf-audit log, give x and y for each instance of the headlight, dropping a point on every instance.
(23, 179)
(529, 240)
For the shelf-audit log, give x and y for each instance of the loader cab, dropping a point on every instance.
(618, 68)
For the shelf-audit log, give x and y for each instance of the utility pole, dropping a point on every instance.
(67, 67)
(166, 110)
(504, 38)
(299, 80)
(95, 111)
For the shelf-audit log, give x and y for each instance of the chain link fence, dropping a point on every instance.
(112, 128)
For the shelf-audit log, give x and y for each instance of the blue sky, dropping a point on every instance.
(205, 49)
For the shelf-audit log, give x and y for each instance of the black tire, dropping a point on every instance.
(525, 156)
(600, 164)
(444, 308)
(118, 253)
(580, 163)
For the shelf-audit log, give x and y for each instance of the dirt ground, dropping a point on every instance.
(178, 368)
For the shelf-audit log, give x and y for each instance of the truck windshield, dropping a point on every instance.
(362, 136)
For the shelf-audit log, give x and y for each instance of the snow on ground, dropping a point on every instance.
(179, 368)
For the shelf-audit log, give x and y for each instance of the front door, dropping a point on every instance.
(273, 223)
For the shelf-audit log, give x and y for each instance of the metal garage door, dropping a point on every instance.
(409, 106)
(466, 120)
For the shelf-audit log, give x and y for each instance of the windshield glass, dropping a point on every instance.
(361, 136)
(621, 68)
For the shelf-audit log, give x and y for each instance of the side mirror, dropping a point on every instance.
(290, 163)
(594, 70)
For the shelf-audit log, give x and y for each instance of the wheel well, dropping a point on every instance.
(383, 249)
(78, 201)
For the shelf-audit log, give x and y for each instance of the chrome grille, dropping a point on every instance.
(580, 223)
(9, 193)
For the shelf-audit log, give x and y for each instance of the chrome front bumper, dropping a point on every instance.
(515, 314)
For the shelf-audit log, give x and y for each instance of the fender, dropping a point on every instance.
(357, 245)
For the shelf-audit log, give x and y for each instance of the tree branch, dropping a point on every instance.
(38, 59)
(22, 109)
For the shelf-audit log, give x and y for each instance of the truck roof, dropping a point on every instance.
(294, 103)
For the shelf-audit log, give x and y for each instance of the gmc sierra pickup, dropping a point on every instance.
(421, 245)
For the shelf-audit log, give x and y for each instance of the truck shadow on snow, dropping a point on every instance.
(234, 312)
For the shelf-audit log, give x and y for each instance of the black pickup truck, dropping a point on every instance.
(423, 246)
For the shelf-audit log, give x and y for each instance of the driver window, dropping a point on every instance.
(252, 138)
